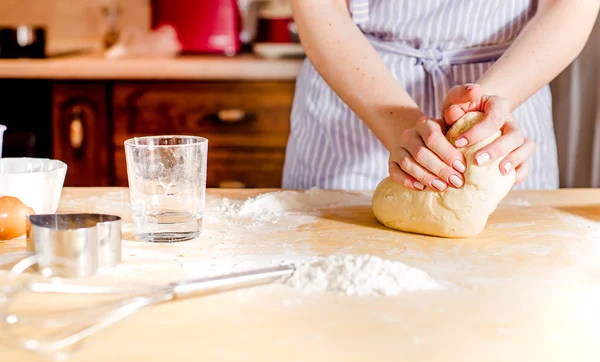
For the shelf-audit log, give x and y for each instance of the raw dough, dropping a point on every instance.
(452, 213)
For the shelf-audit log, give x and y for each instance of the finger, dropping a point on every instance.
(496, 112)
(458, 97)
(403, 178)
(511, 139)
(453, 114)
(421, 172)
(517, 157)
(456, 111)
(431, 134)
(430, 162)
(522, 172)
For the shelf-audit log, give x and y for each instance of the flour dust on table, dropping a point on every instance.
(217, 252)
(350, 275)
(291, 202)
(301, 227)
(280, 210)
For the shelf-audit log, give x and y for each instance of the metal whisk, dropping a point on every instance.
(68, 329)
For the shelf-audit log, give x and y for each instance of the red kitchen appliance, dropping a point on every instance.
(203, 26)
(275, 31)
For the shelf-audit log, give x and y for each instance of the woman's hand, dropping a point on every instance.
(423, 157)
(469, 98)
(512, 143)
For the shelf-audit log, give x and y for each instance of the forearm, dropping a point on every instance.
(547, 45)
(353, 69)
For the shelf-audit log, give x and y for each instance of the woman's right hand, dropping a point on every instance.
(423, 157)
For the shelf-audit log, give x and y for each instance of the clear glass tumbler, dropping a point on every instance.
(167, 185)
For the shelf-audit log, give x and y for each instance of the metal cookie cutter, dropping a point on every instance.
(74, 245)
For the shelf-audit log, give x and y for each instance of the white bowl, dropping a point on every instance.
(37, 182)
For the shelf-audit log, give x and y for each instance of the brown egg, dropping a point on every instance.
(13, 217)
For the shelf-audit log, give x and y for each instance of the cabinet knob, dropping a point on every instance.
(233, 115)
(232, 185)
(76, 129)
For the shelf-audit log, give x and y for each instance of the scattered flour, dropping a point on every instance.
(516, 202)
(270, 211)
(290, 202)
(542, 234)
(353, 275)
(532, 249)
(108, 203)
(512, 225)
(225, 246)
(362, 275)
(162, 272)
(562, 233)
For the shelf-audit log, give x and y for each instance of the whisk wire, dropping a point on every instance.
(73, 326)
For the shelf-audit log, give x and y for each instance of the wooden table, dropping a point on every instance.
(526, 289)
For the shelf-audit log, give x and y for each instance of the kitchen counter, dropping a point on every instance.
(95, 67)
(526, 289)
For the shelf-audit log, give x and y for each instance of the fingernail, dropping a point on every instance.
(419, 185)
(456, 181)
(440, 185)
(507, 166)
(461, 142)
(482, 158)
(470, 86)
(459, 166)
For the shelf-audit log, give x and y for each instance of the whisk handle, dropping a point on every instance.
(229, 282)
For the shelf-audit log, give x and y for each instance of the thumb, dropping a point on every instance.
(457, 101)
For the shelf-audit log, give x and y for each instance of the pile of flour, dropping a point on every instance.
(359, 275)
(289, 202)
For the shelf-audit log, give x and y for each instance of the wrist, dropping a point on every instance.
(489, 89)
(400, 119)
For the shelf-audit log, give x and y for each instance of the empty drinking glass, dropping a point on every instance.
(167, 184)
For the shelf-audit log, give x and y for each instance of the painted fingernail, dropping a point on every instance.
(419, 185)
(507, 166)
(440, 185)
(456, 181)
(482, 158)
(461, 142)
(459, 166)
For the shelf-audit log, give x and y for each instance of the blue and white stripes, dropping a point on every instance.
(359, 9)
(429, 46)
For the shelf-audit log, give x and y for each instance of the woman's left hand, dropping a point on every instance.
(512, 143)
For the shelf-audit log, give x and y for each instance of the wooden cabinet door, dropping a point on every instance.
(81, 133)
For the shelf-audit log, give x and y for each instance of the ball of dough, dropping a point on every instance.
(454, 213)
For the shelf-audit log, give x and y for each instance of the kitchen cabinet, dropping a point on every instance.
(246, 123)
(80, 132)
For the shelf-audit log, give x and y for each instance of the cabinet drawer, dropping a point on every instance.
(230, 168)
(240, 114)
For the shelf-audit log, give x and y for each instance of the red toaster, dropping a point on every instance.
(203, 26)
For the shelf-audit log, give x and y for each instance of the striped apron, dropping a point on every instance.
(428, 46)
